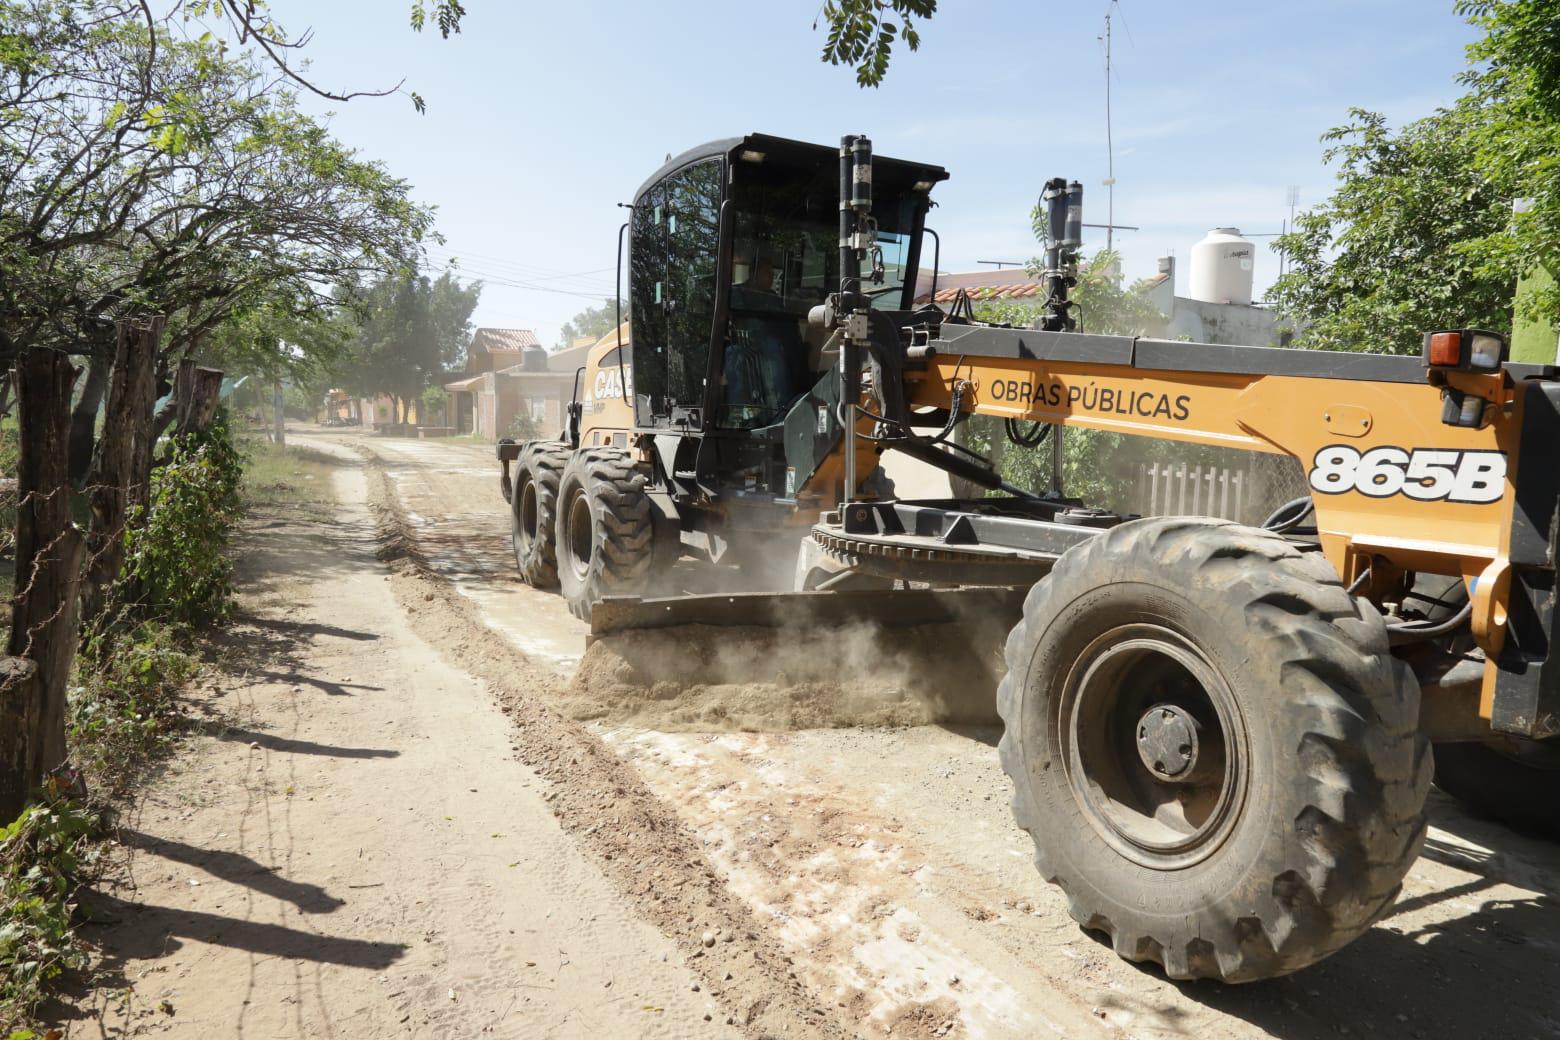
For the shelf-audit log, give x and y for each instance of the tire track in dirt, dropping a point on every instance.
(637, 840)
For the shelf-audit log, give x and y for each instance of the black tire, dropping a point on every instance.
(533, 510)
(1515, 781)
(1510, 779)
(1303, 804)
(604, 535)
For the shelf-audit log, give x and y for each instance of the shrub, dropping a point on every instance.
(524, 428)
(123, 707)
(44, 854)
(176, 561)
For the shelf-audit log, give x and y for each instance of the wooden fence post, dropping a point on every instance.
(48, 568)
(203, 392)
(121, 466)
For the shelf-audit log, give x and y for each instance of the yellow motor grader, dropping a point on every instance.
(1218, 735)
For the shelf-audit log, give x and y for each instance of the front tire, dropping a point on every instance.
(1212, 747)
(604, 534)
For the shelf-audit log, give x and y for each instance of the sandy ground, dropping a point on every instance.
(352, 851)
(856, 880)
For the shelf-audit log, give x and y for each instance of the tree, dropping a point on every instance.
(1095, 465)
(142, 172)
(863, 33)
(413, 331)
(594, 322)
(1517, 74)
(1403, 244)
(190, 185)
(1422, 231)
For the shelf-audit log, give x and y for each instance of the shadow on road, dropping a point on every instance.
(141, 932)
(292, 746)
(1486, 965)
(236, 869)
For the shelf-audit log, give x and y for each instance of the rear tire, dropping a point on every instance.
(605, 539)
(533, 510)
(1213, 748)
(1514, 781)
(1506, 778)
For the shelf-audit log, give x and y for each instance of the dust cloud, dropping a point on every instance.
(702, 677)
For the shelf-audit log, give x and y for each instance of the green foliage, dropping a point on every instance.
(593, 322)
(177, 560)
(1403, 244)
(1516, 74)
(862, 33)
(1098, 466)
(446, 15)
(146, 171)
(524, 428)
(413, 330)
(123, 707)
(1421, 231)
(44, 855)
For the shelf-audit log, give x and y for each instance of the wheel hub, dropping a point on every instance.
(1167, 742)
(1155, 754)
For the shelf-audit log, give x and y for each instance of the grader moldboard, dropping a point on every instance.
(1218, 735)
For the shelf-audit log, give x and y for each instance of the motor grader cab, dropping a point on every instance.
(1218, 735)
(730, 247)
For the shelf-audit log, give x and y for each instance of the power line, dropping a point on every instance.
(515, 267)
(454, 267)
(508, 283)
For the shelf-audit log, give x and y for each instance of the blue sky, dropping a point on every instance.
(542, 116)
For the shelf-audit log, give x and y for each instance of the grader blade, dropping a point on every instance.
(802, 610)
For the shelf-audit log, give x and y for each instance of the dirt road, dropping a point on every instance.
(861, 880)
(353, 851)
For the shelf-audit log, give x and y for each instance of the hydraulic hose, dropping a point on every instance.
(1280, 522)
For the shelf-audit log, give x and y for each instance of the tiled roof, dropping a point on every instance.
(503, 341)
(980, 293)
(1007, 284)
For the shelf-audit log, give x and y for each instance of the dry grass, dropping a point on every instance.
(287, 481)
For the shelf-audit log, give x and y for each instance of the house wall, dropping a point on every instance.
(1228, 323)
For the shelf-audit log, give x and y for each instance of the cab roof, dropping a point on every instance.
(729, 147)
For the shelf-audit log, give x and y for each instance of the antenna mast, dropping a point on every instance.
(1292, 196)
(1110, 151)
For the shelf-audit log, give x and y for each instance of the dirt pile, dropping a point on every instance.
(696, 677)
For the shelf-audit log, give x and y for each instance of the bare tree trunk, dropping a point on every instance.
(118, 482)
(83, 419)
(48, 566)
(278, 413)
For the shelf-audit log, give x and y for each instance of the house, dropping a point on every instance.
(379, 412)
(535, 384)
(1211, 321)
(542, 387)
(476, 399)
